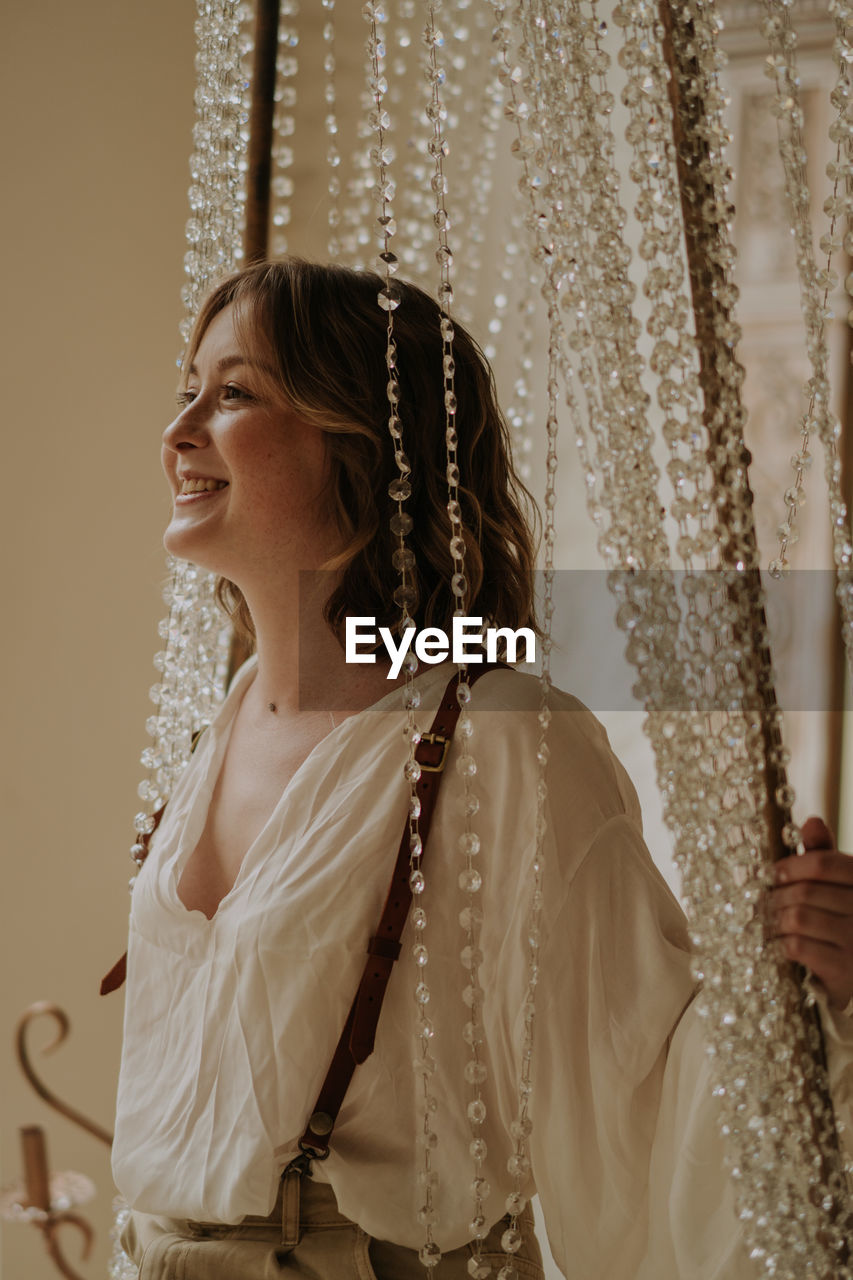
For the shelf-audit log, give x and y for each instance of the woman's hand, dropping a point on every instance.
(811, 911)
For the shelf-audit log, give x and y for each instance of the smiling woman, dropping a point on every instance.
(248, 475)
(258, 934)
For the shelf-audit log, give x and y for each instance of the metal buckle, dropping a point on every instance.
(444, 743)
(311, 1153)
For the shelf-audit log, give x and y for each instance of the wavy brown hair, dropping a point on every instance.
(323, 336)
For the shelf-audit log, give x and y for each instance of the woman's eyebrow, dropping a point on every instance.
(227, 362)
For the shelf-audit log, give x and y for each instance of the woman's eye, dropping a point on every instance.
(235, 393)
(185, 397)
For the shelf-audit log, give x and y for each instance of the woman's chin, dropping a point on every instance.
(187, 544)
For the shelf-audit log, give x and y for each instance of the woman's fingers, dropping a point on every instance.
(825, 866)
(816, 834)
(813, 923)
(811, 910)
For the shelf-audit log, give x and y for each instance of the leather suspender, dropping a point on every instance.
(358, 1035)
(357, 1038)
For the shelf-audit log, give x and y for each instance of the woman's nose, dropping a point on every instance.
(187, 431)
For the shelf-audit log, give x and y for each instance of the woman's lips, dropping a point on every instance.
(199, 488)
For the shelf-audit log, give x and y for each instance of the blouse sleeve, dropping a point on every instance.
(614, 984)
(627, 1157)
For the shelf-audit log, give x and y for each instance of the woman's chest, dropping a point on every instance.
(248, 791)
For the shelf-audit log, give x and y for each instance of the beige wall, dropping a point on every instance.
(98, 113)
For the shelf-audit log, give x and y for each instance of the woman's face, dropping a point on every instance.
(247, 473)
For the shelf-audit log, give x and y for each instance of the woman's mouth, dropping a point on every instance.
(201, 486)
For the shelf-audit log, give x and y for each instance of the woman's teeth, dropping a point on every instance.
(202, 486)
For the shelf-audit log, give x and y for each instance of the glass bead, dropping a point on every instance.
(419, 918)
(427, 1216)
(511, 1240)
(468, 843)
(470, 880)
(422, 993)
(401, 523)
(478, 1269)
(417, 882)
(411, 771)
(466, 766)
(472, 1033)
(478, 1150)
(405, 596)
(508, 1272)
(403, 558)
(515, 1203)
(477, 1112)
(430, 1254)
(478, 1228)
(389, 299)
(475, 1072)
(471, 957)
(518, 1165)
(420, 955)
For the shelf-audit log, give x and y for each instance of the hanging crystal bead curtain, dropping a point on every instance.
(634, 284)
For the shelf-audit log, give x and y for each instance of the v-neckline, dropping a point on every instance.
(239, 688)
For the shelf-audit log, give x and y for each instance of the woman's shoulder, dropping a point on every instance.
(507, 706)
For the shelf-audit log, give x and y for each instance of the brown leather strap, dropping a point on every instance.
(116, 976)
(359, 1033)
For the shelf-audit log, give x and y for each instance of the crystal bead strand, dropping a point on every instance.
(517, 111)
(190, 666)
(581, 185)
(815, 285)
(414, 96)
(521, 414)
(673, 359)
(284, 124)
(745, 732)
(333, 154)
(405, 596)
(519, 1164)
(746, 766)
(474, 183)
(737, 967)
(357, 211)
(470, 878)
(524, 149)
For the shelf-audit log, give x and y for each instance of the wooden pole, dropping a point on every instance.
(256, 232)
(259, 179)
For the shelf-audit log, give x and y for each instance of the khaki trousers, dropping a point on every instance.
(305, 1237)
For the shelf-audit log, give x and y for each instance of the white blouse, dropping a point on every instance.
(231, 1023)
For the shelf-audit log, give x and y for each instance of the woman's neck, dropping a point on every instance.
(301, 664)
